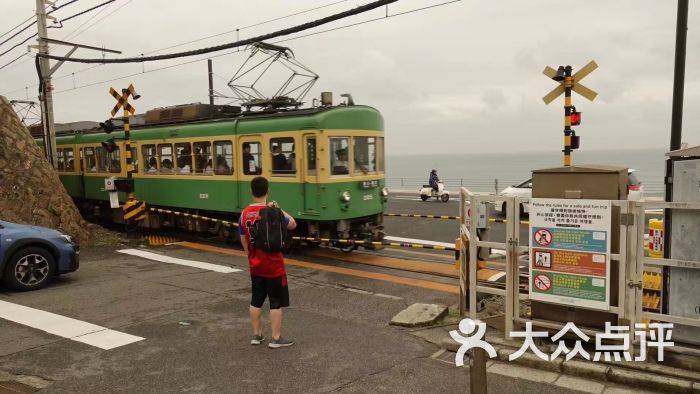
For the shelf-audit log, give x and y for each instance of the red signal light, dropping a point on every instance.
(575, 117)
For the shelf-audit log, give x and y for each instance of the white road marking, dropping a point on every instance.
(419, 241)
(173, 260)
(66, 327)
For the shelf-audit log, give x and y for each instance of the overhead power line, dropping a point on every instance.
(33, 23)
(219, 55)
(86, 11)
(283, 32)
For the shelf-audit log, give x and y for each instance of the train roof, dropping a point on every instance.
(357, 117)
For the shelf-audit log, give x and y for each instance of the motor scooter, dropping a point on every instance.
(441, 194)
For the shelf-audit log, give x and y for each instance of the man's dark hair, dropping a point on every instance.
(259, 186)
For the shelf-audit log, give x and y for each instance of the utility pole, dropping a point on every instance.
(211, 82)
(45, 90)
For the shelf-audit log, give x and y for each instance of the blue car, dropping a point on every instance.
(32, 256)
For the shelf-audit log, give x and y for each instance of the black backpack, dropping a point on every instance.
(269, 232)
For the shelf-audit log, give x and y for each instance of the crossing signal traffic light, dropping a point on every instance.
(575, 117)
(575, 140)
(124, 185)
(109, 145)
(107, 126)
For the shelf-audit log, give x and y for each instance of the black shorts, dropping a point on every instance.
(274, 288)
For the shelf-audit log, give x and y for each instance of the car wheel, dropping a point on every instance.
(424, 197)
(445, 197)
(29, 269)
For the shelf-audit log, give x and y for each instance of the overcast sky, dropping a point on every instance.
(463, 77)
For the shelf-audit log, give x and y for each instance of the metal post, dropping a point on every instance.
(211, 82)
(568, 83)
(127, 141)
(477, 371)
(495, 184)
(679, 75)
(46, 96)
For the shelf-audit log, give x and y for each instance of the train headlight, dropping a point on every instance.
(345, 196)
(385, 192)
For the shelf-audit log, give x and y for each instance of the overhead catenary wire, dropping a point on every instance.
(218, 55)
(73, 35)
(264, 37)
(77, 31)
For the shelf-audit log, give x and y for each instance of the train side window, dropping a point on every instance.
(183, 151)
(339, 156)
(380, 154)
(252, 152)
(283, 156)
(165, 153)
(134, 160)
(102, 158)
(224, 157)
(69, 159)
(90, 160)
(150, 157)
(113, 162)
(60, 166)
(365, 153)
(202, 158)
(311, 156)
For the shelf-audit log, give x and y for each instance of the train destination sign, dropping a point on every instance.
(570, 252)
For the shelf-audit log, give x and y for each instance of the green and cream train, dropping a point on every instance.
(325, 166)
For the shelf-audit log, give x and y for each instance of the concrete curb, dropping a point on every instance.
(645, 376)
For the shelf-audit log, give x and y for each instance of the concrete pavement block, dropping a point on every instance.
(655, 382)
(516, 371)
(419, 315)
(530, 360)
(579, 384)
(585, 369)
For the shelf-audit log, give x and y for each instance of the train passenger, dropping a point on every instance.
(208, 170)
(249, 165)
(292, 161)
(69, 166)
(222, 167)
(152, 166)
(279, 161)
(166, 167)
(340, 165)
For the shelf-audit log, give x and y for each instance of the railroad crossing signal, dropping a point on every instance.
(123, 99)
(567, 83)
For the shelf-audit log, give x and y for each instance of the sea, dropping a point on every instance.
(488, 172)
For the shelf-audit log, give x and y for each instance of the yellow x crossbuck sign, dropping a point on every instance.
(123, 100)
(576, 85)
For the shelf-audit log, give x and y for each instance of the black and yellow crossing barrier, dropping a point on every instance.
(134, 210)
(159, 240)
(372, 243)
(492, 220)
(407, 215)
(193, 216)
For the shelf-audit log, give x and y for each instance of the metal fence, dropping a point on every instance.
(488, 185)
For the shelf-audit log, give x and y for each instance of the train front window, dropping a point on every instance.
(183, 152)
(380, 154)
(365, 153)
(283, 156)
(339, 156)
(251, 158)
(223, 165)
(165, 153)
(113, 161)
(202, 158)
(150, 158)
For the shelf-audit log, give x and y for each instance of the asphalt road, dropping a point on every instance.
(196, 330)
(440, 230)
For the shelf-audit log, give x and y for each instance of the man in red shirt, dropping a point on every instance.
(267, 274)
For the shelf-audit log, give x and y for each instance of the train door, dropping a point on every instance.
(312, 189)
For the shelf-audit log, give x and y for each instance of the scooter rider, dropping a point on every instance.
(433, 181)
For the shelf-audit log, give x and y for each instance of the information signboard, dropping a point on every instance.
(570, 252)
